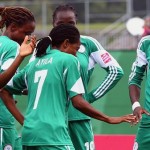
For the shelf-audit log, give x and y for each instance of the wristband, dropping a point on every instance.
(135, 104)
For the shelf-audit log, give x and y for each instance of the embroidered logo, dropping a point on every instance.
(81, 49)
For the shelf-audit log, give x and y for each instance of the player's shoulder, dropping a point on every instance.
(68, 58)
(91, 42)
(145, 39)
(6, 40)
(8, 44)
(87, 38)
(144, 42)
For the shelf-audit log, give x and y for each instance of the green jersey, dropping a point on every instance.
(8, 51)
(90, 54)
(139, 67)
(51, 81)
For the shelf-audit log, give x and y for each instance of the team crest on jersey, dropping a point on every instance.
(106, 58)
(8, 147)
(81, 49)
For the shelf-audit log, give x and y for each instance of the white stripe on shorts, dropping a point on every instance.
(1, 136)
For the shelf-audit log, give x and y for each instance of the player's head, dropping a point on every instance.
(64, 37)
(147, 22)
(64, 14)
(19, 21)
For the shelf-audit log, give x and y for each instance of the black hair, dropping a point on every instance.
(56, 37)
(65, 7)
(15, 14)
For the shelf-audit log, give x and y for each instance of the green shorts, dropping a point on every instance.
(81, 134)
(48, 147)
(142, 140)
(9, 139)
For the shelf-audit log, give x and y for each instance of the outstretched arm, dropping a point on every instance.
(25, 50)
(83, 106)
(11, 106)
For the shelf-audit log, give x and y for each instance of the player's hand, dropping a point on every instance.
(27, 46)
(126, 118)
(138, 111)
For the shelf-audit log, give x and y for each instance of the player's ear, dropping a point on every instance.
(66, 43)
(13, 27)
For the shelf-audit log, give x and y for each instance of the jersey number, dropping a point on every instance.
(90, 145)
(39, 78)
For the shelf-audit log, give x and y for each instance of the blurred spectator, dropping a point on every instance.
(146, 26)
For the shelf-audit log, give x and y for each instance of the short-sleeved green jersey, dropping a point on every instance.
(139, 67)
(91, 53)
(8, 51)
(51, 81)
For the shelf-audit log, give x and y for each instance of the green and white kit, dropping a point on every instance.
(9, 137)
(51, 80)
(140, 67)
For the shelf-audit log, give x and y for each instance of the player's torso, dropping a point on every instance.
(8, 52)
(83, 55)
(47, 101)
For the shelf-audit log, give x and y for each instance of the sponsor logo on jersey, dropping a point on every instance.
(8, 147)
(81, 49)
(106, 58)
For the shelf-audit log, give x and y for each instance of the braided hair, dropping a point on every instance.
(14, 14)
(66, 7)
(56, 37)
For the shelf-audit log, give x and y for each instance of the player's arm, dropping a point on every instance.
(75, 89)
(135, 79)
(11, 106)
(113, 72)
(25, 49)
(16, 86)
(83, 106)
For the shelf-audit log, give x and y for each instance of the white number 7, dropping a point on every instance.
(39, 77)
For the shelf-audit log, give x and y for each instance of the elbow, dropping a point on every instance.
(76, 105)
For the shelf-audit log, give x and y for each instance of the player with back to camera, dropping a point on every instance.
(19, 22)
(49, 87)
(90, 53)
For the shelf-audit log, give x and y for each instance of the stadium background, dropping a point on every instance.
(106, 21)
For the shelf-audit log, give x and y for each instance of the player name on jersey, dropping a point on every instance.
(44, 61)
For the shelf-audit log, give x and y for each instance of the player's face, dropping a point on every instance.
(19, 32)
(72, 48)
(64, 17)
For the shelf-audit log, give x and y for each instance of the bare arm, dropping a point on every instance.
(25, 50)
(83, 106)
(134, 92)
(11, 106)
